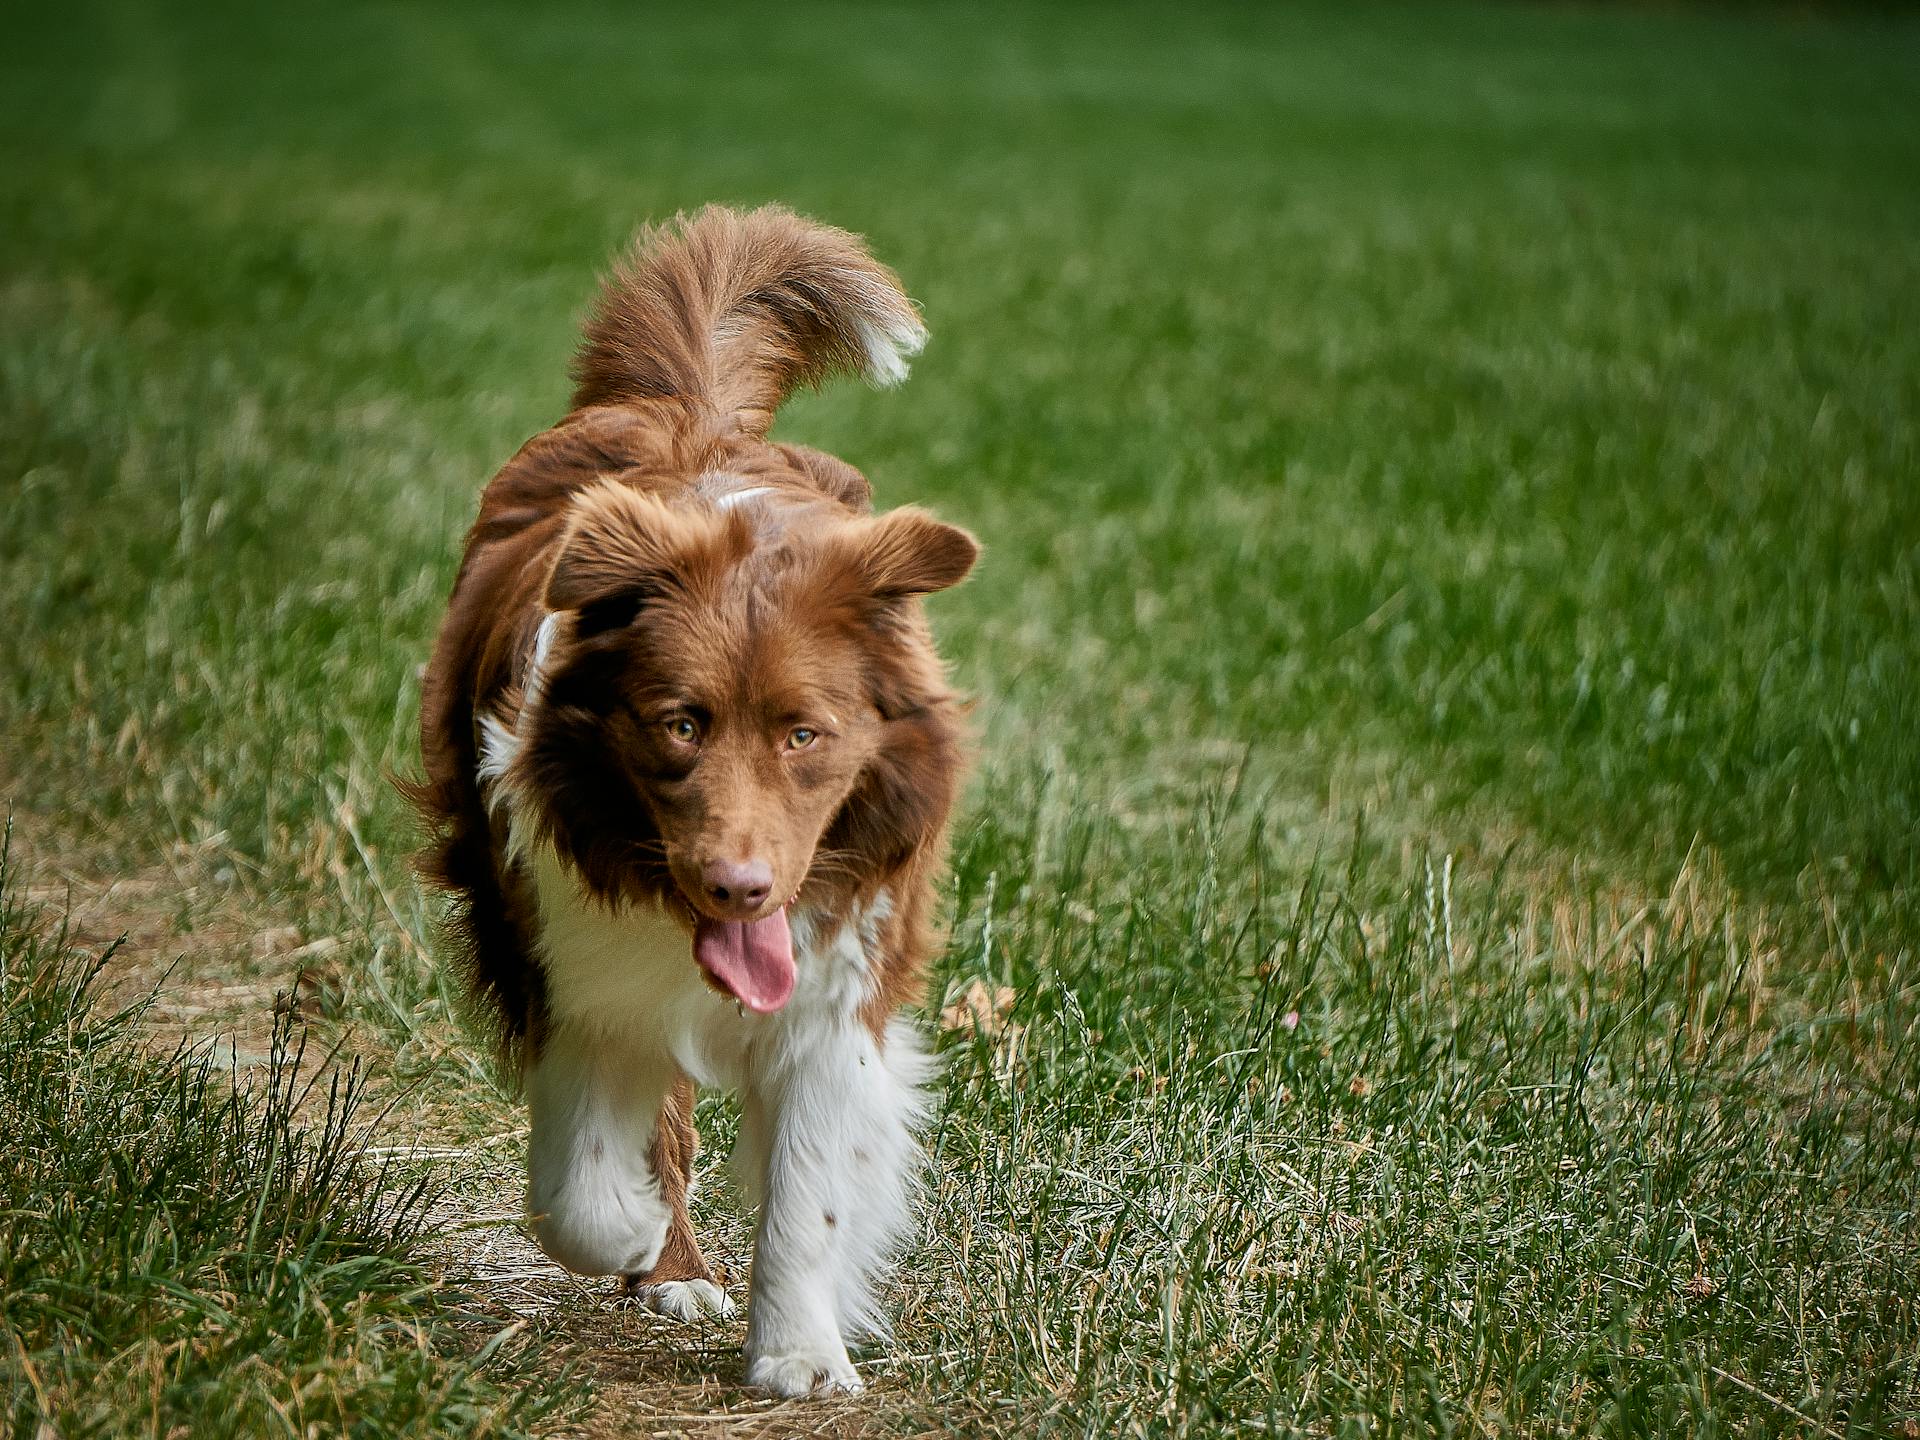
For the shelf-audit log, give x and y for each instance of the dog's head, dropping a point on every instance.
(736, 705)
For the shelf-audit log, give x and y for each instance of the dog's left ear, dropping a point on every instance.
(908, 552)
(624, 547)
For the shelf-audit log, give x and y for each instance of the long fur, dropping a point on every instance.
(732, 311)
(654, 555)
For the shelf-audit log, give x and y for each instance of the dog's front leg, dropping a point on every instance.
(827, 1140)
(593, 1199)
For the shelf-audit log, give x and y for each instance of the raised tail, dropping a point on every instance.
(732, 309)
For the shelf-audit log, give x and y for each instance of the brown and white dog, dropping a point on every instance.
(689, 761)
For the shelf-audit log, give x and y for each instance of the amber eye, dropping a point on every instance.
(801, 737)
(681, 728)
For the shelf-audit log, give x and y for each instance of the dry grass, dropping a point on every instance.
(202, 967)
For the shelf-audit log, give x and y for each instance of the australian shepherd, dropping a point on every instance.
(689, 761)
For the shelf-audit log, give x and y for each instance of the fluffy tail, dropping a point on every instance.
(734, 309)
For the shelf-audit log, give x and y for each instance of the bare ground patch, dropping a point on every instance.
(203, 964)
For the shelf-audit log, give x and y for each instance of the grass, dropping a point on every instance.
(1446, 649)
(181, 1253)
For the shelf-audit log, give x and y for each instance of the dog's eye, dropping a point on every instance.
(682, 728)
(801, 737)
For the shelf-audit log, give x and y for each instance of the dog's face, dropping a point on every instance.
(727, 689)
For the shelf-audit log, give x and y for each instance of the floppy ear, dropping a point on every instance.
(908, 552)
(622, 548)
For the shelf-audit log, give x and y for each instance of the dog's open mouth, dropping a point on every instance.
(751, 960)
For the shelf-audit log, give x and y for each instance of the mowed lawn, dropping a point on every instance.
(1447, 651)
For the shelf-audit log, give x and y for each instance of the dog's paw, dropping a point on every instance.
(686, 1300)
(791, 1375)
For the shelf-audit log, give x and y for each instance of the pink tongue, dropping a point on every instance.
(754, 961)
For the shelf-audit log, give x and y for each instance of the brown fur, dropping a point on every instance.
(797, 606)
(675, 1143)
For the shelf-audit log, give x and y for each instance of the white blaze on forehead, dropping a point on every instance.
(724, 490)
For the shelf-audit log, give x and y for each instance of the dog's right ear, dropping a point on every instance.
(625, 547)
(905, 552)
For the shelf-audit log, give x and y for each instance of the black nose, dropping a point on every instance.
(744, 884)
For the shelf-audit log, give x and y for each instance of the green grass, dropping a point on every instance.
(184, 1254)
(1449, 479)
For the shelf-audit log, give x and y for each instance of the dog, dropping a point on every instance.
(690, 756)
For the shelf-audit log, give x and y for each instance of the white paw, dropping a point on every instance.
(790, 1375)
(687, 1300)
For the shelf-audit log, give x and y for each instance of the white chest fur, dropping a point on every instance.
(628, 975)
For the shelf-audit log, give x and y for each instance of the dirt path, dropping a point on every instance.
(215, 969)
